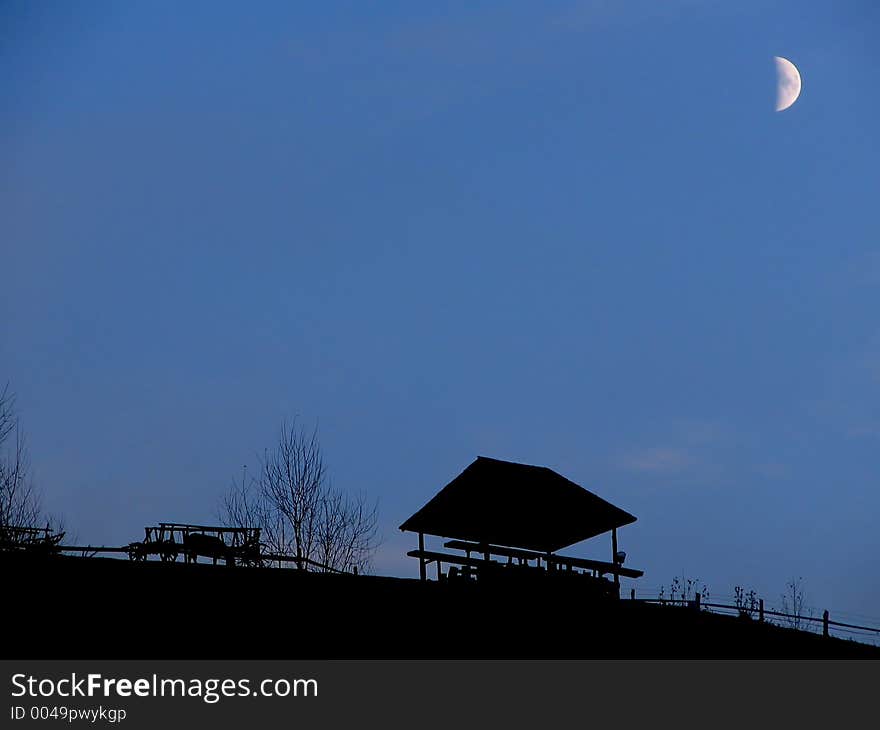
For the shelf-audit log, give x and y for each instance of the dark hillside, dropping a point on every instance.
(67, 607)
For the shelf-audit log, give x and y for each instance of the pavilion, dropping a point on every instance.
(518, 512)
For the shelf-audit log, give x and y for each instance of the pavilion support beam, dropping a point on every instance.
(614, 559)
(422, 572)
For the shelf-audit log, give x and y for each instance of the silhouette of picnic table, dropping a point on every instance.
(554, 561)
(597, 568)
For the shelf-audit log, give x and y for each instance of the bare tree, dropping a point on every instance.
(243, 505)
(345, 535)
(292, 479)
(794, 604)
(300, 514)
(19, 502)
(7, 413)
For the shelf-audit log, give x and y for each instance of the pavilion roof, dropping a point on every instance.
(519, 505)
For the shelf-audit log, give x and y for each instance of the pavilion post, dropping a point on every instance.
(614, 558)
(422, 572)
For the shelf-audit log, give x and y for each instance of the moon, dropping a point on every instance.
(788, 83)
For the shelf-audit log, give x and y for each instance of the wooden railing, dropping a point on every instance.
(757, 610)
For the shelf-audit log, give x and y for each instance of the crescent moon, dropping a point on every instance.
(788, 83)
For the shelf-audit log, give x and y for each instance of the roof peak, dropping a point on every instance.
(512, 463)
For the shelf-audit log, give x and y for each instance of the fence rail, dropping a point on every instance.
(697, 604)
(274, 557)
(266, 557)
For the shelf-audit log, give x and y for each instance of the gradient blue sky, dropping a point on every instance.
(572, 234)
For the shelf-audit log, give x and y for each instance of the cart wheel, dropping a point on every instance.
(169, 555)
(136, 552)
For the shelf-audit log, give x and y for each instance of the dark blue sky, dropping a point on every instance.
(572, 234)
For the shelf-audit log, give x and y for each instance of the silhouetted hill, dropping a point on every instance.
(69, 607)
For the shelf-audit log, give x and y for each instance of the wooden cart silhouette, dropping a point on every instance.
(171, 540)
(30, 539)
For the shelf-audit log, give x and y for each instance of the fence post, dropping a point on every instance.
(825, 623)
(697, 601)
(632, 594)
(761, 609)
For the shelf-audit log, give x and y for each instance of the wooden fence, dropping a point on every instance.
(757, 609)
